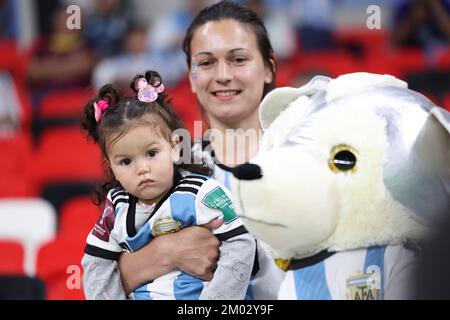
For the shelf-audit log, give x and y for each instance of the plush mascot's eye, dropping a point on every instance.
(343, 158)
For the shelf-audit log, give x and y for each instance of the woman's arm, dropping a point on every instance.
(194, 250)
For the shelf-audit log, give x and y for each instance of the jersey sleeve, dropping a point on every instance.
(100, 243)
(101, 279)
(215, 201)
(237, 250)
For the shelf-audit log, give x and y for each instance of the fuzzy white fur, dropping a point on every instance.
(300, 207)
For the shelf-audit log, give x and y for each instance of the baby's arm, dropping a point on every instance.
(234, 268)
(237, 251)
(101, 278)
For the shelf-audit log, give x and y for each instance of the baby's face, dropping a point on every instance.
(143, 162)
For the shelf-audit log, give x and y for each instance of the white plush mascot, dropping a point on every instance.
(350, 174)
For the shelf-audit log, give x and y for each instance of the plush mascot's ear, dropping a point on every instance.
(431, 155)
(278, 100)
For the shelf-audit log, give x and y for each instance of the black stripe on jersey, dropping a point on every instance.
(306, 262)
(115, 203)
(101, 253)
(131, 227)
(256, 261)
(231, 234)
(118, 193)
(186, 189)
(192, 182)
(195, 177)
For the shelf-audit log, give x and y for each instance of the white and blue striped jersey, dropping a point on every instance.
(125, 225)
(265, 283)
(375, 273)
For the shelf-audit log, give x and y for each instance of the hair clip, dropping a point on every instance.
(99, 108)
(148, 93)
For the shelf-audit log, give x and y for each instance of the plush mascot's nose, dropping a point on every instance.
(247, 171)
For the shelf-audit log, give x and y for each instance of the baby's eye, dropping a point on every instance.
(125, 162)
(151, 153)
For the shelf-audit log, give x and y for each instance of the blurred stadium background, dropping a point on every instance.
(47, 72)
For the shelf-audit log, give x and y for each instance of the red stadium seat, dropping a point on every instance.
(371, 41)
(397, 62)
(66, 103)
(331, 63)
(65, 155)
(78, 216)
(15, 162)
(443, 59)
(31, 222)
(59, 266)
(13, 59)
(11, 258)
(9, 54)
(446, 102)
(185, 105)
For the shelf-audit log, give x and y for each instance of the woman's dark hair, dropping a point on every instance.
(121, 114)
(230, 10)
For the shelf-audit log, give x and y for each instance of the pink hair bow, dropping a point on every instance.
(99, 108)
(148, 93)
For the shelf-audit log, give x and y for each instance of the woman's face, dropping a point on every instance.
(227, 71)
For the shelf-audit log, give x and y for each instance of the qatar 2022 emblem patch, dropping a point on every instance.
(218, 199)
(365, 286)
(166, 225)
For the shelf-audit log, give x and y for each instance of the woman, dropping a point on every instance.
(231, 68)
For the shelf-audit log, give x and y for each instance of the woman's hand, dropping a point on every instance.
(198, 250)
(194, 250)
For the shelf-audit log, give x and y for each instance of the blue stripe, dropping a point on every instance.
(187, 287)
(311, 283)
(142, 293)
(227, 183)
(143, 237)
(249, 294)
(182, 206)
(375, 257)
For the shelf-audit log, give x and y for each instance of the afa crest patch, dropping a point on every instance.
(218, 199)
(365, 286)
(165, 226)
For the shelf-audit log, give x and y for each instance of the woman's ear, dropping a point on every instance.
(192, 80)
(176, 148)
(268, 76)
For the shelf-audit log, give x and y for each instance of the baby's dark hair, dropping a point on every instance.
(121, 114)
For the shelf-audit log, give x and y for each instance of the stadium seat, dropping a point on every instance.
(11, 258)
(9, 54)
(369, 41)
(184, 103)
(15, 174)
(59, 265)
(64, 155)
(446, 102)
(331, 63)
(30, 222)
(64, 104)
(398, 62)
(78, 216)
(21, 288)
(443, 59)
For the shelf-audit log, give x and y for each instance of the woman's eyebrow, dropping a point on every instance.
(228, 52)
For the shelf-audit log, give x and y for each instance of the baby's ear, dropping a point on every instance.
(176, 148)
